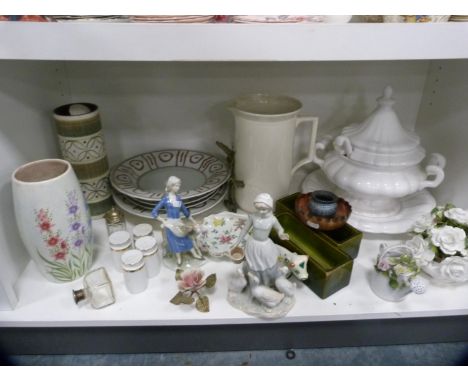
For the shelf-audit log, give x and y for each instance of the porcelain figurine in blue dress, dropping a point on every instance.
(177, 229)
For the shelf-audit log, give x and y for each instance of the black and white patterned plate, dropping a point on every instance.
(144, 176)
(127, 205)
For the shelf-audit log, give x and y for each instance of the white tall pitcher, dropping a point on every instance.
(264, 138)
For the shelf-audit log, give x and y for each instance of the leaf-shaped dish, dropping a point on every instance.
(219, 233)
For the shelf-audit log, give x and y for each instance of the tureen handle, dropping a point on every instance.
(343, 144)
(435, 167)
(311, 157)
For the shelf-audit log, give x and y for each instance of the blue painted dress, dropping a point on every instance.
(175, 243)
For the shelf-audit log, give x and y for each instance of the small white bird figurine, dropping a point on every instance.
(238, 282)
(263, 294)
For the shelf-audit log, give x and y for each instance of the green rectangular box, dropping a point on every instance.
(328, 266)
(347, 238)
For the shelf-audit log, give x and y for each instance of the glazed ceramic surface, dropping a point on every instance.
(380, 286)
(377, 163)
(314, 217)
(53, 219)
(412, 207)
(451, 270)
(82, 144)
(263, 145)
(328, 266)
(129, 206)
(219, 232)
(283, 19)
(143, 176)
(396, 273)
(188, 202)
(347, 238)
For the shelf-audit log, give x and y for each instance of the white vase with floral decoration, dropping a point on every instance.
(53, 219)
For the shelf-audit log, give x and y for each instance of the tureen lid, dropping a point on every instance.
(381, 140)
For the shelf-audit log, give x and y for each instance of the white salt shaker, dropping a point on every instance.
(120, 242)
(142, 230)
(135, 275)
(150, 249)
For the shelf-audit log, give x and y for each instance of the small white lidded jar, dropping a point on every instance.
(142, 230)
(135, 275)
(120, 242)
(150, 249)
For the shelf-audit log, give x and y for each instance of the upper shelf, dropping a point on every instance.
(231, 42)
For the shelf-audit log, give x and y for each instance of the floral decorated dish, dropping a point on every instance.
(218, 234)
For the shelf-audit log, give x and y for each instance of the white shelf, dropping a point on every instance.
(232, 42)
(46, 304)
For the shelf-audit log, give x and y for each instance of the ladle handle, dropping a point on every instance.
(311, 157)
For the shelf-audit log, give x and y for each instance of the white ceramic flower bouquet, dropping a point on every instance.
(440, 244)
(397, 273)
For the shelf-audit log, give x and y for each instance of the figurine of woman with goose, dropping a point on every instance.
(260, 286)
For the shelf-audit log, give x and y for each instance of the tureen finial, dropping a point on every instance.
(386, 98)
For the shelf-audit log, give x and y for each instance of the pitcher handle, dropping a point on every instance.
(311, 157)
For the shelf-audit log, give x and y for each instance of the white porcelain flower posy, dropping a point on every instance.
(453, 269)
(421, 251)
(449, 239)
(458, 215)
(424, 223)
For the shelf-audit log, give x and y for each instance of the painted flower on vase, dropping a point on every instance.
(72, 209)
(67, 257)
(76, 226)
(53, 241)
(60, 256)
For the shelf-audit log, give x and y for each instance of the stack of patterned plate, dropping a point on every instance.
(285, 19)
(138, 183)
(172, 19)
(89, 18)
(459, 18)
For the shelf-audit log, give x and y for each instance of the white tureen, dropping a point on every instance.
(377, 167)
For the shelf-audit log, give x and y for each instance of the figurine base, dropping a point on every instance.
(247, 304)
(188, 261)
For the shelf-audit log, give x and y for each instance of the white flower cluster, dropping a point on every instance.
(449, 239)
(421, 251)
(458, 215)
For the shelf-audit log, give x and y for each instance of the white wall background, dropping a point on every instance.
(443, 125)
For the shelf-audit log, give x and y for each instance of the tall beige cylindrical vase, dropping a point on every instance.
(53, 219)
(82, 144)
